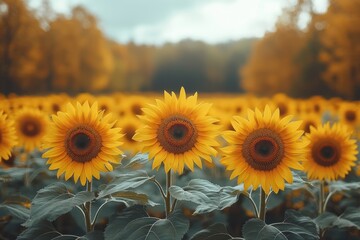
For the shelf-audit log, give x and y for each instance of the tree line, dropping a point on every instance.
(42, 52)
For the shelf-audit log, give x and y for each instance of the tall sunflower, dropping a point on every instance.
(178, 132)
(82, 143)
(331, 153)
(262, 149)
(7, 136)
(31, 125)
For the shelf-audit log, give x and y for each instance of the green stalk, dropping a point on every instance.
(168, 197)
(262, 205)
(89, 225)
(321, 197)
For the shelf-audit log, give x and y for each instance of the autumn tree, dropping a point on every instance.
(341, 54)
(78, 57)
(20, 49)
(271, 67)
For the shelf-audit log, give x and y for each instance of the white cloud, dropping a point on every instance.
(213, 22)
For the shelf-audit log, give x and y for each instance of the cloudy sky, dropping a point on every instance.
(159, 21)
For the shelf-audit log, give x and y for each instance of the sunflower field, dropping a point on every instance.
(179, 166)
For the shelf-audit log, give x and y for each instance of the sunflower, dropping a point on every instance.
(178, 132)
(308, 120)
(262, 149)
(82, 142)
(284, 103)
(348, 114)
(31, 125)
(7, 136)
(129, 126)
(331, 153)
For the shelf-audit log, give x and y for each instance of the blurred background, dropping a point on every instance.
(298, 47)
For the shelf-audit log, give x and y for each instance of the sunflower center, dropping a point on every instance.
(177, 134)
(83, 143)
(350, 116)
(30, 128)
(129, 133)
(263, 149)
(326, 153)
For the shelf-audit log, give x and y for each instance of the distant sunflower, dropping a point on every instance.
(262, 149)
(7, 136)
(178, 132)
(331, 153)
(284, 103)
(31, 125)
(348, 113)
(308, 120)
(82, 142)
(129, 126)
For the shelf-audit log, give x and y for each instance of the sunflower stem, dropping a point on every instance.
(254, 205)
(89, 225)
(262, 205)
(168, 197)
(321, 197)
(160, 188)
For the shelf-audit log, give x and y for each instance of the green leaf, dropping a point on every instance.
(206, 195)
(130, 198)
(18, 207)
(136, 224)
(216, 231)
(298, 181)
(94, 235)
(349, 219)
(124, 182)
(255, 229)
(41, 231)
(340, 186)
(139, 160)
(294, 227)
(54, 201)
(44, 230)
(112, 231)
(13, 173)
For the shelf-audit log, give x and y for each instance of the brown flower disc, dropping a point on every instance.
(326, 153)
(350, 116)
(263, 149)
(83, 143)
(177, 134)
(30, 127)
(129, 131)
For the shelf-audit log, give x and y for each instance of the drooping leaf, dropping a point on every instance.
(136, 224)
(216, 231)
(349, 219)
(54, 201)
(206, 195)
(124, 182)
